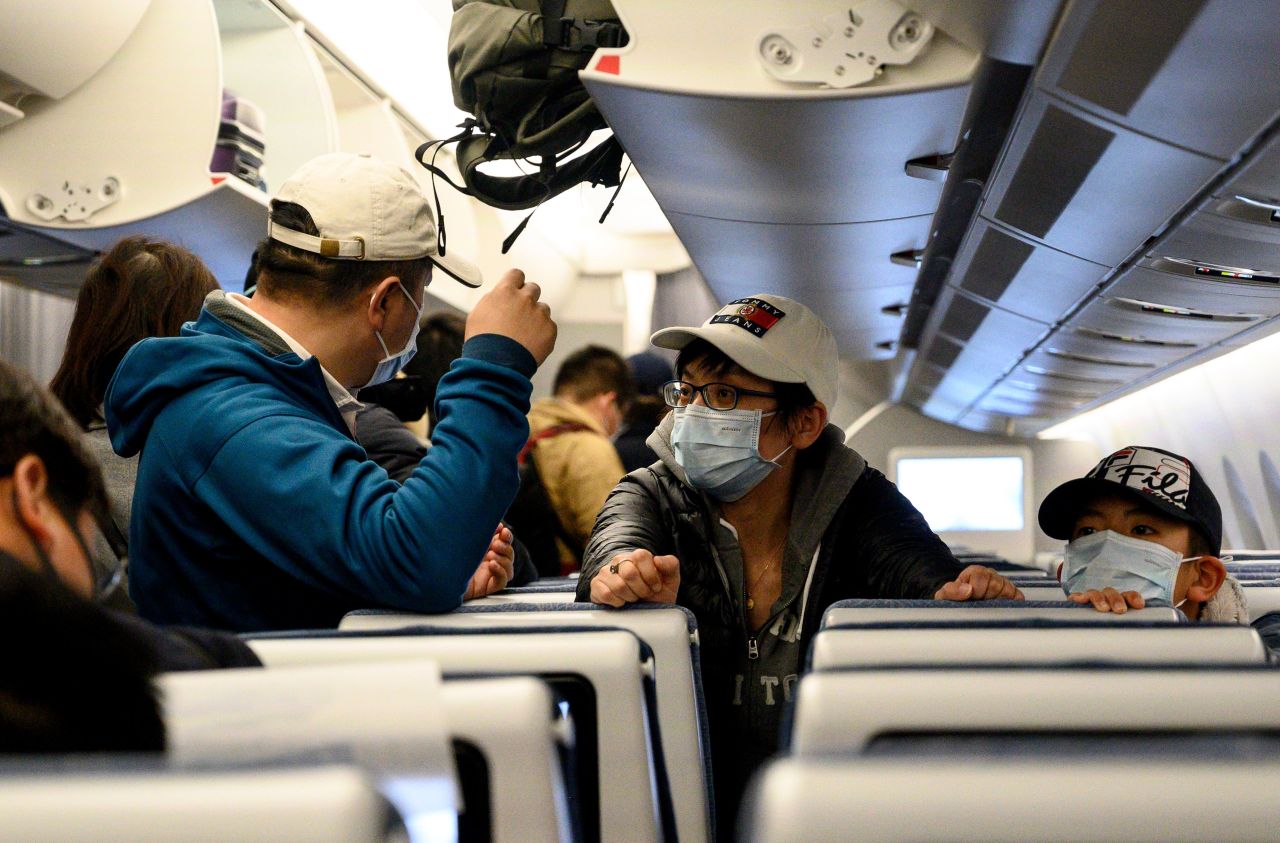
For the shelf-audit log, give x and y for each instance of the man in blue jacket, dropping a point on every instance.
(255, 508)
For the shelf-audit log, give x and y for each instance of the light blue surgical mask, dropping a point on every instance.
(1108, 559)
(719, 450)
(391, 364)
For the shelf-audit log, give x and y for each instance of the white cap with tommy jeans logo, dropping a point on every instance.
(772, 337)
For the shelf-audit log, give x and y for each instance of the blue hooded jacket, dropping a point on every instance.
(255, 509)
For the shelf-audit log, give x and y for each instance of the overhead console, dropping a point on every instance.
(799, 147)
(1131, 227)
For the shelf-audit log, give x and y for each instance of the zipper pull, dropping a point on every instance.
(753, 649)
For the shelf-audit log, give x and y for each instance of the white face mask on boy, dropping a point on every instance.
(1108, 559)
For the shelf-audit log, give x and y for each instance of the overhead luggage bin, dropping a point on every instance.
(127, 799)
(843, 271)
(1087, 187)
(843, 712)
(1137, 799)
(893, 645)
(716, 135)
(1020, 275)
(738, 150)
(74, 42)
(1169, 67)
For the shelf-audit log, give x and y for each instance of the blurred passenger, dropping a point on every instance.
(570, 449)
(51, 495)
(439, 344)
(758, 518)
(255, 507)
(1143, 525)
(649, 372)
(71, 680)
(139, 288)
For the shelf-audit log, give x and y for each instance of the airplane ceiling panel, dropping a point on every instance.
(1199, 287)
(785, 160)
(1050, 358)
(1230, 233)
(1160, 56)
(842, 271)
(1051, 388)
(1260, 179)
(984, 330)
(974, 343)
(1089, 345)
(1022, 276)
(1012, 402)
(1163, 321)
(1089, 188)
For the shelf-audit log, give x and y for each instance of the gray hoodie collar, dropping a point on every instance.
(268, 340)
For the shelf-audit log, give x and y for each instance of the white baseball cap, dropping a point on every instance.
(366, 209)
(772, 337)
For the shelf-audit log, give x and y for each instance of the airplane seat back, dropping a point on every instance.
(117, 798)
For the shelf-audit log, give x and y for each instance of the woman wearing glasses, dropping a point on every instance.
(757, 518)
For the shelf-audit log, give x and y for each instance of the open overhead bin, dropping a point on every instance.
(778, 178)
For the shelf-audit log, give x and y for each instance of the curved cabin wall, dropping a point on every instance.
(1225, 409)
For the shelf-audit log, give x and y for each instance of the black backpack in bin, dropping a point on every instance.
(514, 66)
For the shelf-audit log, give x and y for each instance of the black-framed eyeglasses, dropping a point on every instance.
(717, 396)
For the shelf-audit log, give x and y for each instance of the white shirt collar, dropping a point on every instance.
(347, 404)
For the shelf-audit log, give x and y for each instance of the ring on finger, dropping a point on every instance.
(613, 567)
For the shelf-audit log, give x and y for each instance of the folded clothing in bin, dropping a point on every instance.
(241, 144)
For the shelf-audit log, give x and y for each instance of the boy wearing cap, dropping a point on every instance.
(255, 508)
(1143, 525)
(757, 517)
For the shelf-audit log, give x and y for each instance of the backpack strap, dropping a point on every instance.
(549, 433)
(575, 33)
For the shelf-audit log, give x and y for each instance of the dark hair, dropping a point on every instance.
(286, 272)
(31, 422)
(139, 288)
(1197, 544)
(74, 679)
(439, 344)
(792, 397)
(594, 370)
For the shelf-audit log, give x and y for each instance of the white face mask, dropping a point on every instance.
(719, 450)
(1108, 559)
(391, 364)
